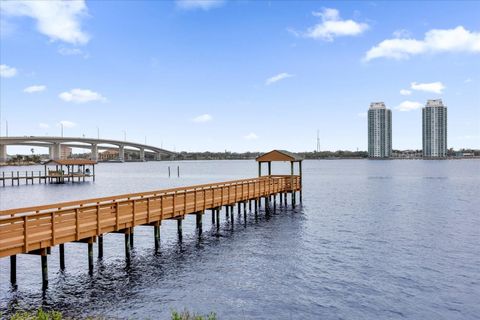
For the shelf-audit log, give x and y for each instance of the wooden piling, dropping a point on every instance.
(156, 235)
(245, 212)
(179, 226)
(199, 220)
(127, 246)
(131, 237)
(90, 257)
(62, 256)
(213, 216)
(44, 270)
(13, 270)
(218, 218)
(100, 246)
(274, 203)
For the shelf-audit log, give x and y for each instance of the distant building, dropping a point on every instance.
(110, 154)
(407, 154)
(65, 152)
(434, 119)
(379, 131)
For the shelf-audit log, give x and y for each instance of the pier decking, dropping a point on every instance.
(37, 229)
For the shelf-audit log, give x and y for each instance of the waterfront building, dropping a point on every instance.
(434, 120)
(379, 131)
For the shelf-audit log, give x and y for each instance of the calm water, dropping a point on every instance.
(373, 240)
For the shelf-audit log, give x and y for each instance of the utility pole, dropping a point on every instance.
(98, 133)
(124, 135)
(145, 140)
(61, 126)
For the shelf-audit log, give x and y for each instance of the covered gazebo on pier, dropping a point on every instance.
(76, 168)
(284, 156)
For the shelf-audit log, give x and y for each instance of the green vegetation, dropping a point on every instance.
(24, 160)
(185, 315)
(40, 314)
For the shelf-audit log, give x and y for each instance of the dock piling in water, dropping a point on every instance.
(13, 270)
(127, 246)
(62, 256)
(156, 235)
(100, 246)
(44, 270)
(90, 257)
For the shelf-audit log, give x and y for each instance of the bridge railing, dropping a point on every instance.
(26, 229)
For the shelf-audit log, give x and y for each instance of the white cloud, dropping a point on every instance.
(66, 124)
(405, 92)
(199, 4)
(7, 71)
(333, 26)
(278, 77)
(251, 136)
(81, 96)
(402, 33)
(409, 105)
(42, 125)
(35, 88)
(59, 20)
(66, 51)
(436, 40)
(203, 118)
(434, 87)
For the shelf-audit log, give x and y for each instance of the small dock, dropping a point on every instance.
(77, 170)
(36, 230)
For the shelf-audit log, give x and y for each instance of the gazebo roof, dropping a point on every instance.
(66, 162)
(278, 155)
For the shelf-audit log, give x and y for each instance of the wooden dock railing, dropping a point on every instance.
(25, 230)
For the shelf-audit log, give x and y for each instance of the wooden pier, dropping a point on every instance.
(35, 230)
(52, 176)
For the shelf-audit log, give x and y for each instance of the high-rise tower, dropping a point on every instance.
(379, 131)
(434, 119)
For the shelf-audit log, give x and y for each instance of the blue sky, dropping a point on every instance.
(244, 75)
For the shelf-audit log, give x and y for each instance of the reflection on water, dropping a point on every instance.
(373, 239)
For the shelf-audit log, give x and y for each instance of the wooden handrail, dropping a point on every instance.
(32, 228)
(67, 204)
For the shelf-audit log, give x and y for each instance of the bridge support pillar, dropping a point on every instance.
(158, 156)
(94, 152)
(54, 151)
(142, 155)
(121, 153)
(3, 153)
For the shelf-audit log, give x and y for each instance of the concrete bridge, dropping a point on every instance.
(54, 145)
